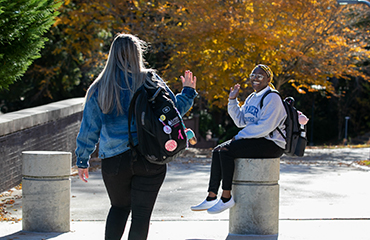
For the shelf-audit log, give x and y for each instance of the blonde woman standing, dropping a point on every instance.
(132, 186)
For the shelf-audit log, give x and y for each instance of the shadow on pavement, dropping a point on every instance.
(40, 235)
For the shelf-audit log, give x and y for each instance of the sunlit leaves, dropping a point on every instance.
(9, 202)
(304, 42)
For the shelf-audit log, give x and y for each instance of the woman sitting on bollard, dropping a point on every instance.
(258, 138)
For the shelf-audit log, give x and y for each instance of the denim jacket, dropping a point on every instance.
(110, 130)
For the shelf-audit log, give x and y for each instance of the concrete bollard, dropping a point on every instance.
(256, 193)
(46, 191)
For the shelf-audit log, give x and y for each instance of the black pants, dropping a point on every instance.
(222, 168)
(133, 187)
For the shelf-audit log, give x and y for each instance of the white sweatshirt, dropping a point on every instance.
(259, 122)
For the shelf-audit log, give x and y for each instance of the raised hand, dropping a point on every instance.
(234, 91)
(189, 80)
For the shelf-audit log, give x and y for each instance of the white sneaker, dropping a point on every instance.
(204, 205)
(220, 206)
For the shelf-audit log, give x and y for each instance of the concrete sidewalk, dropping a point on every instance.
(207, 230)
(320, 198)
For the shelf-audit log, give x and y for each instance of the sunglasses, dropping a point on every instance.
(258, 76)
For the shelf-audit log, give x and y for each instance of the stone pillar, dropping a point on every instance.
(256, 193)
(46, 191)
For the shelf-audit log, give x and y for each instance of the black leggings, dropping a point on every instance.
(223, 156)
(133, 187)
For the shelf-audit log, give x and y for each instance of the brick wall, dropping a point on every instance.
(51, 127)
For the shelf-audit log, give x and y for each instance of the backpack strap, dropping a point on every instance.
(281, 132)
(267, 93)
(131, 113)
(132, 106)
(130, 116)
(261, 105)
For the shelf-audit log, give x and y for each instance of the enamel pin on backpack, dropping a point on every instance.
(160, 128)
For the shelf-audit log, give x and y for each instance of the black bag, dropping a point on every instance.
(160, 128)
(296, 140)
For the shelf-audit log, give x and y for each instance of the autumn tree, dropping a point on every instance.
(23, 24)
(78, 47)
(305, 42)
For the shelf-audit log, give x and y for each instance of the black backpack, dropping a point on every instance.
(160, 128)
(296, 140)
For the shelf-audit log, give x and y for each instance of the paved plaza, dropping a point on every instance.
(323, 195)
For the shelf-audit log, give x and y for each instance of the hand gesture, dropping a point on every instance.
(234, 91)
(83, 173)
(189, 80)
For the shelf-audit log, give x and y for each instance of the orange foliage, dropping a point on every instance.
(303, 41)
(90, 25)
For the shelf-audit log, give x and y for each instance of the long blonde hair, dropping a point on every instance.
(125, 54)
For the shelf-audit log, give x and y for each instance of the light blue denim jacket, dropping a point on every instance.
(110, 130)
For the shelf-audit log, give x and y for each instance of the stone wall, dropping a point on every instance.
(51, 127)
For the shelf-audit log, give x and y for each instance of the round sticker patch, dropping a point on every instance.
(162, 117)
(167, 129)
(170, 145)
